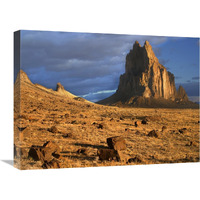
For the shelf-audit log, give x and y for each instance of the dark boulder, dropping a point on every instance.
(137, 123)
(116, 143)
(153, 133)
(108, 154)
(53, 129)
(53, 147)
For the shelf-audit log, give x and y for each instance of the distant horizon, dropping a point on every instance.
(89, 64)
(195, 99)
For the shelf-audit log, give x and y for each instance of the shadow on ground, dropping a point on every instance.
(89, 158)
(92, 146)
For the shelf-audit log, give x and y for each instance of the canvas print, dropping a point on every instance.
(90, 100)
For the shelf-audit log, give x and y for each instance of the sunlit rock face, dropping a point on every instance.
(147, 83)
(145, 76)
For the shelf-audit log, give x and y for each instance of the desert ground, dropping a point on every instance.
(80, 128)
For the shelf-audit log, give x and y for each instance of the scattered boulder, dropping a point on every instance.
(40, 153)
(136, 159)
(137, 123)
(68, 135)
(138, 133)
(108, 154)
(182, 130)
(53, 129)
(74, 122)
(144, 121)
(44, 153)
(35, 153)
(100, 126)
(153, 133)
(66, 115)
(53, 148)
(116, 143)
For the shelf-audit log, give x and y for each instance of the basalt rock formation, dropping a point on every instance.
(146, 82)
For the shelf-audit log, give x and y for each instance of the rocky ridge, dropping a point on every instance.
(22, 78)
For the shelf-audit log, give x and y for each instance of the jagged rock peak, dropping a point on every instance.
(61, 90)
(136, 44)
(147, 43)
(22, 76)
(150, 53)
(181, 94)
(59, 87)
(145, 76)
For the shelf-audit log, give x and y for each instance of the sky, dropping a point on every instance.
(90, 64)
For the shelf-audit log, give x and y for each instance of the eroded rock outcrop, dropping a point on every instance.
(22, 77)
(146, 82)
(61, 90)
(145, 76)
(181, 94)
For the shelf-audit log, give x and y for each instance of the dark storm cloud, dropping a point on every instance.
(52, 48)
(196, 78)
(84, 63)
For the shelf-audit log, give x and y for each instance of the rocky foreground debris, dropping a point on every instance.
(46, 121)
(116, 143)
(46, 154)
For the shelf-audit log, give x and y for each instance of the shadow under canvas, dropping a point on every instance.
(10, 162)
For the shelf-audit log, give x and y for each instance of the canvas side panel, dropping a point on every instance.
(17, 142)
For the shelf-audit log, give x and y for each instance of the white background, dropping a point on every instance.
(168, 18)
